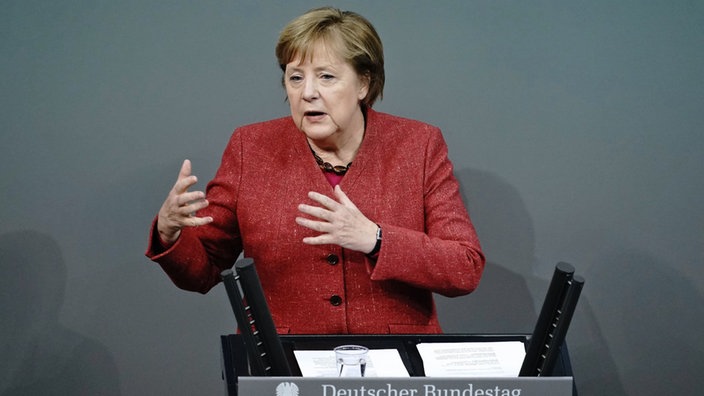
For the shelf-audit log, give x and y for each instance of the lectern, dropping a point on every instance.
(257, 361)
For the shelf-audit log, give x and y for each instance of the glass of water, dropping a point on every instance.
(351, 360)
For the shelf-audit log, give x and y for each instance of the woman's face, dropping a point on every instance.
(325, 92)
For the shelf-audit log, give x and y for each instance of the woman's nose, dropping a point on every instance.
(310, 89)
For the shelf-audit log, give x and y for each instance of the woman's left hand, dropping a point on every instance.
(339, 222)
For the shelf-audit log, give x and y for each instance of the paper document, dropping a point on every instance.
(472, 359)
(381, 363)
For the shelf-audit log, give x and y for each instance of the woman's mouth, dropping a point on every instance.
(314, 115)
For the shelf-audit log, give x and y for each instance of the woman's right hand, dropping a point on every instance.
(180, 207)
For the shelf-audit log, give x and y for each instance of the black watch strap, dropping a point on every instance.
(377, 246)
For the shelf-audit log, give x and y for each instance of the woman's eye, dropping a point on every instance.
(327, 76)
(295, 78)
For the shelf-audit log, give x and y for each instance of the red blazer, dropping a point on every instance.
(401, 178)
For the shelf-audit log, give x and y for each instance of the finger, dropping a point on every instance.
(323, 200)
(324, 239)
(197, 221)
(190, 209)
(315, 211)
(189, 197)
(342, 197)
(185, 179)
(318, 226)
(182, 185)
(185, 169)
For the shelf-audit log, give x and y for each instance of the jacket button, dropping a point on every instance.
(333, 259)
(335, 300)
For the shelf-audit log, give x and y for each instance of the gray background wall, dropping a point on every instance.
(575, 128)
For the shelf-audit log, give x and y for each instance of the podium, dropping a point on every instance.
(238, 381)
(260, 362)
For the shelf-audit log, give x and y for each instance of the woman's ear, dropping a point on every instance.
(365, 81)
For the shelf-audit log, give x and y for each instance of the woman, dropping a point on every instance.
(349, 214)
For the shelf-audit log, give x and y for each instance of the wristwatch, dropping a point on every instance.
(377, 247)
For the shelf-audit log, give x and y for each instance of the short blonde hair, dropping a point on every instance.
(349, 34)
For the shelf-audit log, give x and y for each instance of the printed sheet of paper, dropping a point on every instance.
(472, 359)
(381, 363)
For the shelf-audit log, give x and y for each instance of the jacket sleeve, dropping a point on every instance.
(446, 258)
(200, 254)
